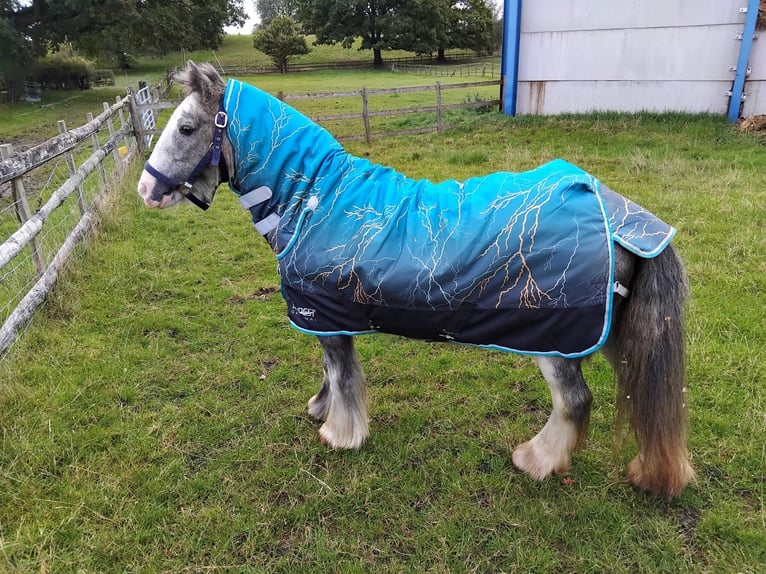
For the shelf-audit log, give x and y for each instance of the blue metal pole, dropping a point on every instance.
(510, 63)
(744, 57)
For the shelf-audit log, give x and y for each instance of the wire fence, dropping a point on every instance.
(49, 202)
(476, 70)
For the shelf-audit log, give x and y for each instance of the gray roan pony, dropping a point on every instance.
(550, 263)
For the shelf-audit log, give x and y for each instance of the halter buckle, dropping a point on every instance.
(221, 119)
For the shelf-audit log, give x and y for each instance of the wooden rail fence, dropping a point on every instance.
(366, 114)
(38, 226)
(480, 69)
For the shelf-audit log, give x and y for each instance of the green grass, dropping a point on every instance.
(153, 415)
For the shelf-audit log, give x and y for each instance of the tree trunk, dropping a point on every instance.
(440, 57)
(378, 57)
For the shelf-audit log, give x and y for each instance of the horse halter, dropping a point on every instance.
(211, 158)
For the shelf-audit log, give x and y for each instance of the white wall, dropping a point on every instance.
(656, 55)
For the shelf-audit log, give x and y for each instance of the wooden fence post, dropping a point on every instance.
(72, 169)
(22, 208)
(135, 120)
(366, 117)
(110, 127)
(96, 145)
(439, 125)
(122, 117)
(126, 139)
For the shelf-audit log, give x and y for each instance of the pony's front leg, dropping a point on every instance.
(342, 400)
(549, 452)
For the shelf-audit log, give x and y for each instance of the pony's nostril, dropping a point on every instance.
(159, 192)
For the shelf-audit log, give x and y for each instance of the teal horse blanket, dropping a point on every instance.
(520, 262)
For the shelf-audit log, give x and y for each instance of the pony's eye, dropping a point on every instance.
(186, 130)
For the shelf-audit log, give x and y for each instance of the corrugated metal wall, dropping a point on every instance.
(657, 55)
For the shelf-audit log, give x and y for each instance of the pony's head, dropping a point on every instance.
(184, 164)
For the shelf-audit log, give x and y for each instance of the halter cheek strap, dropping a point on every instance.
(211, 158)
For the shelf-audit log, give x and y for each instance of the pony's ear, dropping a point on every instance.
(203, 79)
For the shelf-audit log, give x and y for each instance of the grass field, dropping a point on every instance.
(153, 416)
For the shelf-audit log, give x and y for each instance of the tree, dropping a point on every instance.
(421, 26)
(32, 28)
(281, 39)
(342, 21)
(160, 26)
(268, 9)
(471, 26)
(427, 26)
(28, 30)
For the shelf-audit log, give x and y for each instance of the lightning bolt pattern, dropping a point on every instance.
(364, 248)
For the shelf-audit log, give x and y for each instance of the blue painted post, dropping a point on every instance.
(510, 64)
(744, 57)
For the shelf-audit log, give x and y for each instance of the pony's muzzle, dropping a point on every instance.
(154, 193)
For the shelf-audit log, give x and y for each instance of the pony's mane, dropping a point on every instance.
(203, 79)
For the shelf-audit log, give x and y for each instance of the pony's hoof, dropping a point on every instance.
(350, 440)
(666, 480)
(538, 464)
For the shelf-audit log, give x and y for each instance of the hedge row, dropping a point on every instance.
(64, 73)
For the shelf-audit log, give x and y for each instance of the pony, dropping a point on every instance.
(364, 249)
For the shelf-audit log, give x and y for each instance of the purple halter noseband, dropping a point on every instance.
(211, 158)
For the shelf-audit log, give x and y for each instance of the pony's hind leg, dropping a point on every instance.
(549, 452)
(342, 400)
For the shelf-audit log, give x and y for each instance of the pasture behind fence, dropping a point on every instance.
(367, 113)
(49, 196)
(360, 124)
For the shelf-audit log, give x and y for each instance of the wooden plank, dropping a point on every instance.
(321, 95)
(351, 116)
(21, 237)
(366, 116)
(135, 119)
(438, 107)
(470, 85)
(36, 296)
(22, 208)
(22, 162)
(389, 91)
(72, 168)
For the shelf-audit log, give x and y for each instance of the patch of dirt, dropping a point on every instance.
(260, 295)
(267, 365)
(752, 124)
(687, 525)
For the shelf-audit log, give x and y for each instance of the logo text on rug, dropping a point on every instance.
(306, 312)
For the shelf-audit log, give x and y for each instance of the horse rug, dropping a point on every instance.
(520, 262)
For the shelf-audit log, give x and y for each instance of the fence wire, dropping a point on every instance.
(21, 274)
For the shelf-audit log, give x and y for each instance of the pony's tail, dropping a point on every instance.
(651, 375)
